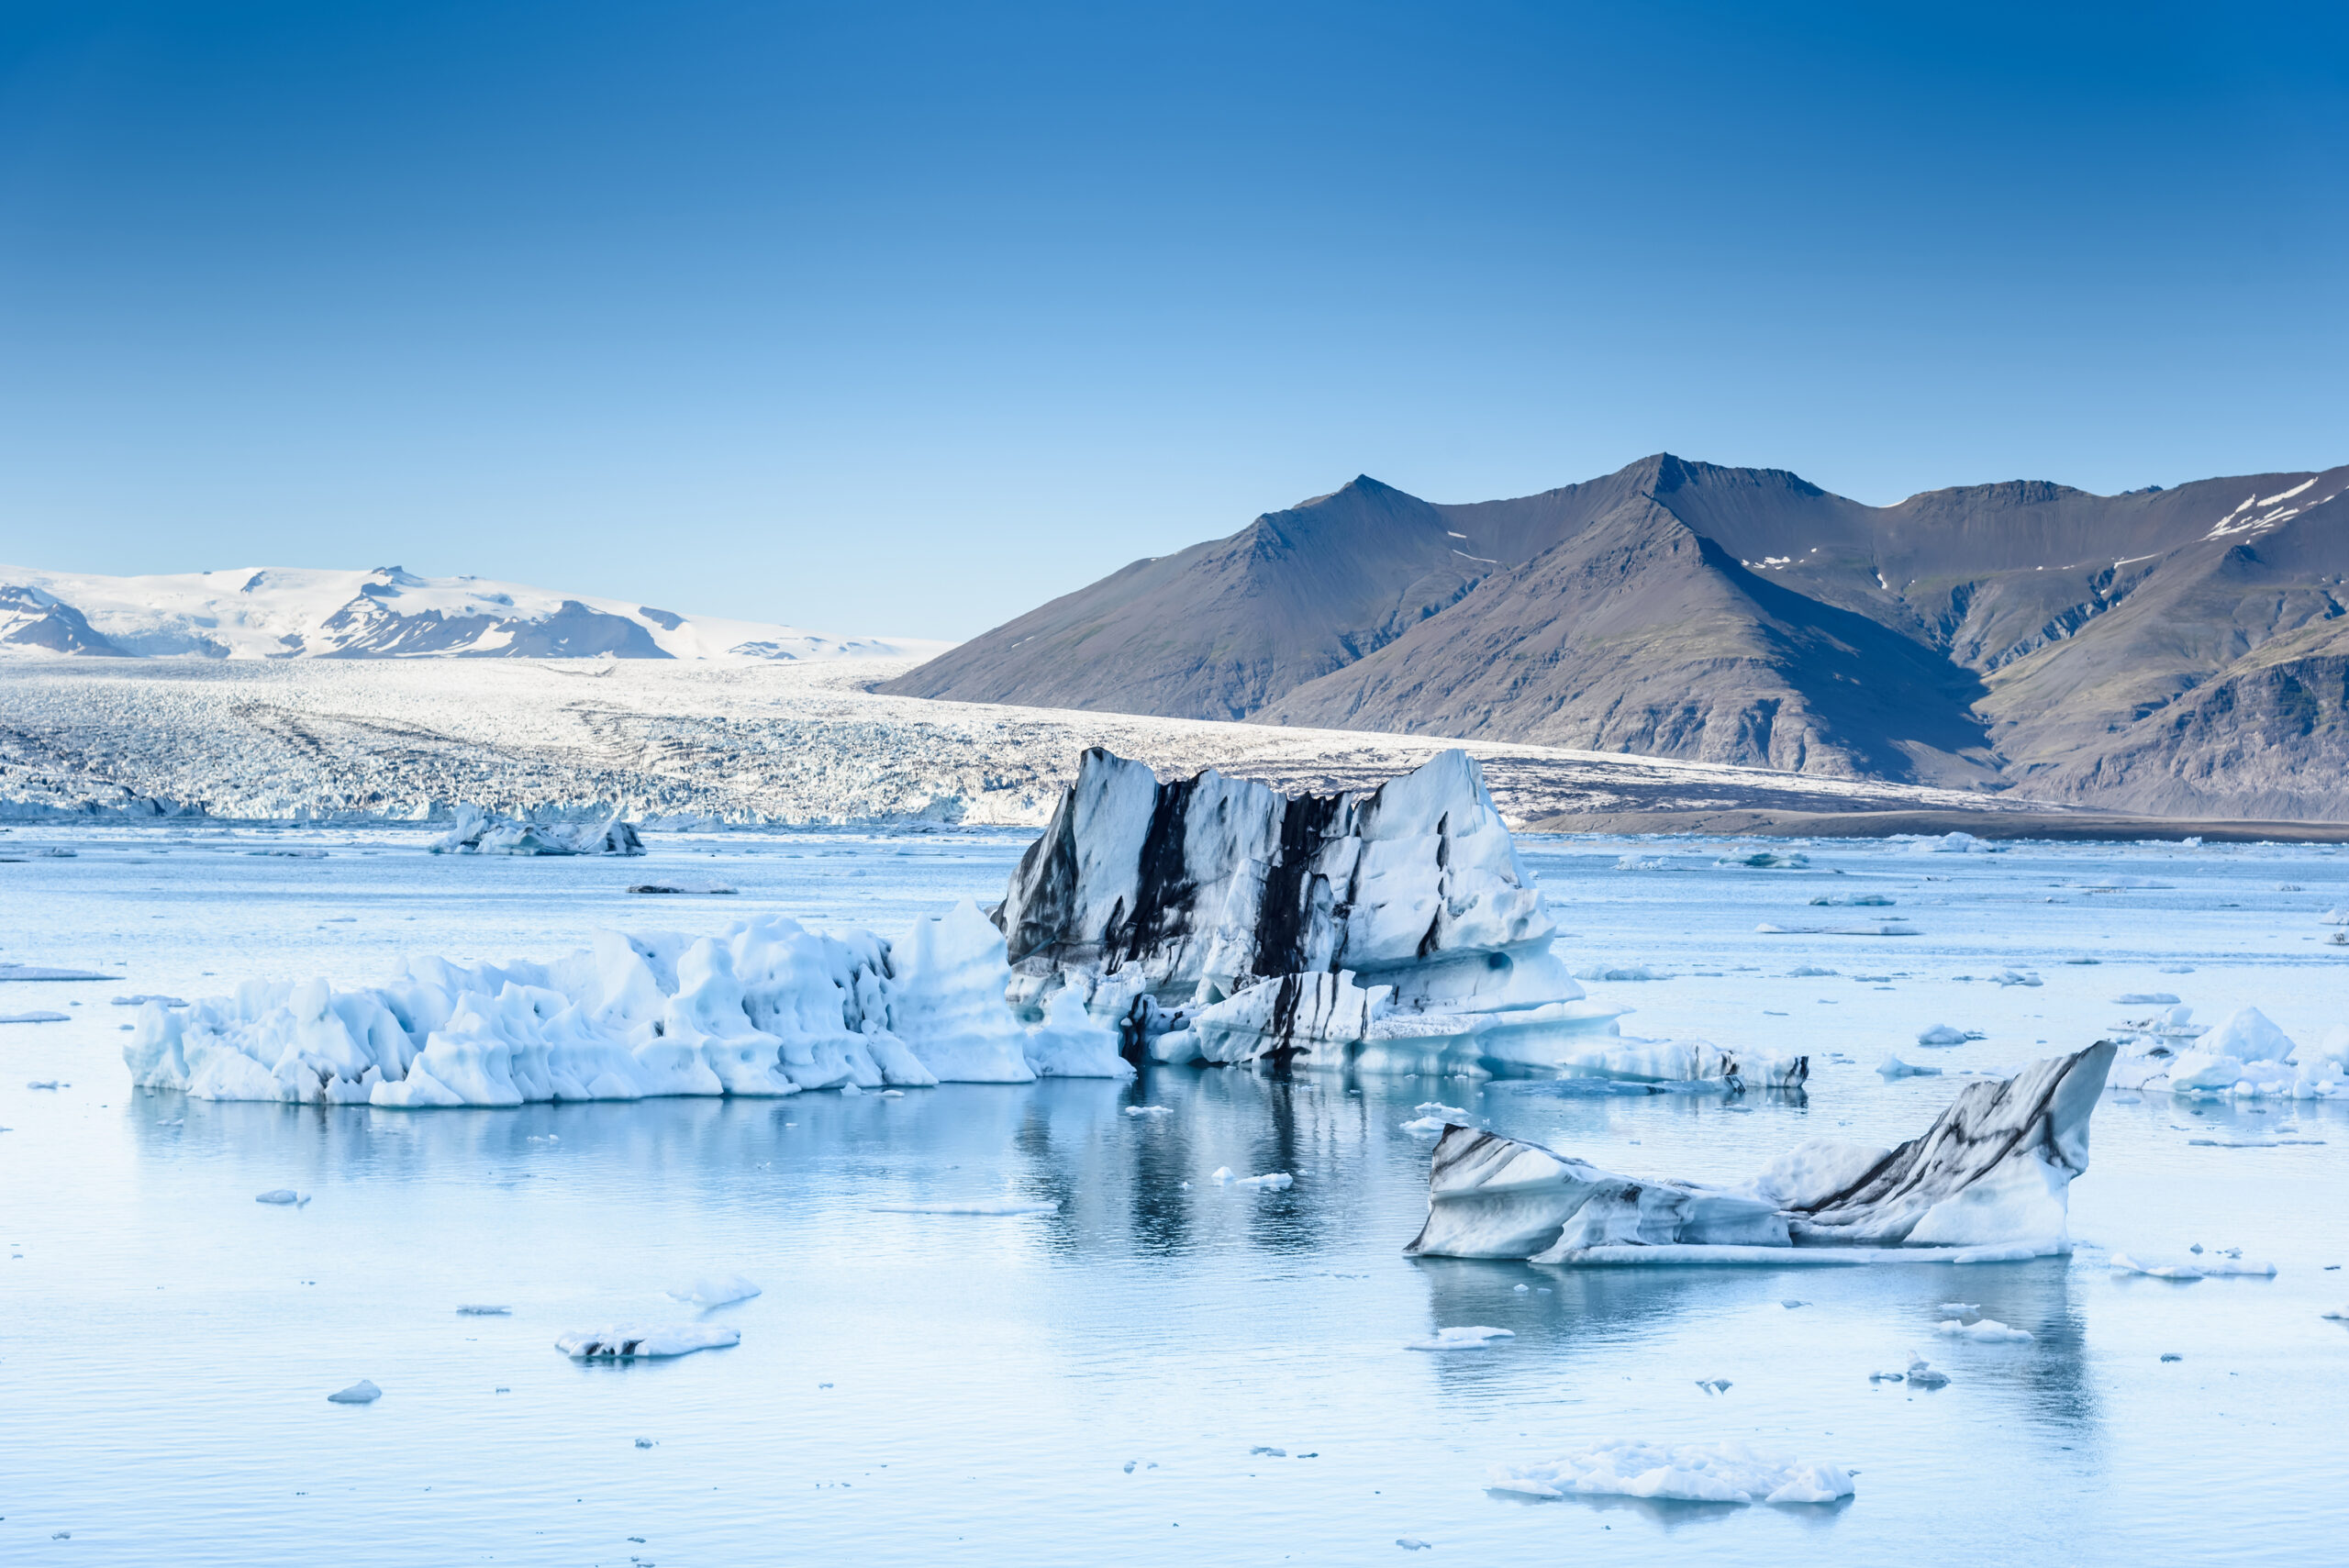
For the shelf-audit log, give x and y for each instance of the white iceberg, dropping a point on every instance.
(362, 1392)
(1988, 1330)
(1893, 1067)
(1943, 1034)
(1687, 1472)
(1461, 1339)
(764, 1008)
(479, 832)
(1988, 1180)
(2247, 1057)
(632, 1343)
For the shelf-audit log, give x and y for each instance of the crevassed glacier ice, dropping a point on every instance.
(1988, 1180)
(1388, 930)
(766, 1007)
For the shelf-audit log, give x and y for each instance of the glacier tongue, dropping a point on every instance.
(1989, 1179)
(1222, 921)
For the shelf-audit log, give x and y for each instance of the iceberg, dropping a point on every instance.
(629, 1343)
(2247, 1057)
(478, 832)
(764, 1008)
(1219, 921)
(1690, 1473)
(1988, 1180)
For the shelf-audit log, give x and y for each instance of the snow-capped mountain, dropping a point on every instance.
(273, 612)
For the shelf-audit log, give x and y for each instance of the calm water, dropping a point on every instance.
(922, 1389)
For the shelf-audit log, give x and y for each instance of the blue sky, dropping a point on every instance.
(903, 317)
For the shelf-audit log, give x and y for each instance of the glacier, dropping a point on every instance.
(1221, 921)
(765, 1008)
(1988, 1182)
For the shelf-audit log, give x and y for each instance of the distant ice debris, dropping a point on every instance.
(1690, 1473)
(479, 1309)
(1987, 1182)
(1462, 1338)
(1639, 862)
(2336, 915)
(1893, 1067)
(714, 1290)
(2203, 1268)
(998, 1208)
(1922, 1375)
(1943, 1034)
(38, 1016)
(280, 1197)
(362, 1392)
(1619, 972)
(1988, 1330)
(703, 889)
(40, 972)
(479, 832)
(2144, 999)
(1148, 1110)
(1426, 1126)
(1856, 900)
(1810, 972)
(142, 999)
(632, 1342)
(2025, 977)
(1273, 1181)
(764, 1008)
(1437, 1107)
(1889, 929)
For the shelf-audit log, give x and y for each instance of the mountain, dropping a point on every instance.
(2169, 651)
(285, 613)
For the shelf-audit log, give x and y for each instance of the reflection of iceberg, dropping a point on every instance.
(1988, 1182)
(766, 1008)
(1221, 921)
(2247, 1057)
(477, 832)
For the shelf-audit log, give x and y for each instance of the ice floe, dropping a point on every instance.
(2201, 1267)
(1943, 1034)
(1886, 928)
(766, 1007)
(714, 1290)
(1893, 1067)
(632, 1342)
(2247, 1057)
(38, 1016)
(280, 1197)
(1987, 1330)
(1461, 1339)
(1687, 1472)
(1988, 1180)
(479, 832)
(362, 1392)
(42, 971)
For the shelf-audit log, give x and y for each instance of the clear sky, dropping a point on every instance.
(887, 318)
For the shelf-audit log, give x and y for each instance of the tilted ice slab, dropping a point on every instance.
(766, 1007)
(1988, 1180)
(1221, 921)
(476, 832)
(1688, 1473)
(2247, 1057)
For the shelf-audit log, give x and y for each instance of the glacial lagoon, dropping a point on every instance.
(1161, 1368)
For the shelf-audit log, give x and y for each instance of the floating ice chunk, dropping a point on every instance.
(37, 971)
(1692, 1472)
(1714, 1384)
(143, 998)
(1889, 929)
(1987, 1330)
(1220, 1175)
(1960, 1307)
(1426, 1126)
(1069, 1043)
(629, 1343)
(1956, 844)
(2208, 1268)
(1004, 1207)
(714, 1290)
(478, 832)
(1271, 1182)
(359, 1393)
(2144, 999)
(1620, 972)
(705, 889)
(1413, 1543)
(1943, 1034)
(478, 1309)
(1893, 1067)
(1853, 900)
(851, 1089)
(1462, 1338)
(1987, 1180)
(2340, 1315)
(2248, 1140)
(1268, 1449)
(1148, 1110)
(1922, 1375)
(1809, 972)
(1790, 1304)
(1438, 1108)
(2336, 915)
(1769, 860)
(36, 1017)
(2025, 977)
(1639, 862)
(278, 1195)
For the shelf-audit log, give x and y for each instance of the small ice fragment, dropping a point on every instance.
(2196, 1248)
(1437, 1107)
(851, 1089)
(1222, 1173)
(359, 1393)
(1943, 1034)
(1008, 1207)
(1791, 1305)
(1922, 1375)
(1129, 1466)
(1522, 1289)
(714, 1290)
(1714, 1384)
(1885, 1376)
(278, 1195)
(478, 1309)
(1275, 1452)
(626, 1344)
(1272, 1182)
(1988, 1329)
(43, 1016)
(1707, 1473)
(1961, 1306)
(1148, 1110)
(643, 1442)
(892, 1095)
(1893, 1067)
(1412, 1543)
(42, 1083)
(2339, 1315)
(1461, 1339)
(2172, 1356)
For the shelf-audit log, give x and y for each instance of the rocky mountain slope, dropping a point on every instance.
(2171, 651)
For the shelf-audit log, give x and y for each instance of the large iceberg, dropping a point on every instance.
(1218, 921)
(2247, 1057)
(1988, 1180)
(765, 1008)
